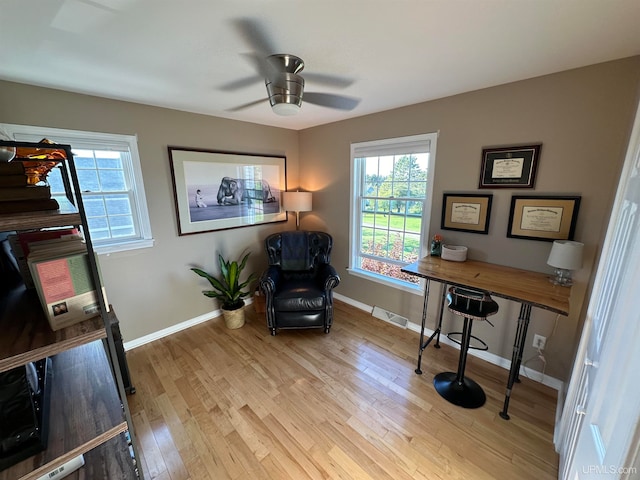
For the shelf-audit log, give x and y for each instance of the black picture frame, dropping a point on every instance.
(509, 167)
(466, 212)
(218, 190)
(545, 218)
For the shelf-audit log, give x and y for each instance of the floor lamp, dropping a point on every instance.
(297, 202)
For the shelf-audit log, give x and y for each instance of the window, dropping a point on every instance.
(392, 183)
(110, 178)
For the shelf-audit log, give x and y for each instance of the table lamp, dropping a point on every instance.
(565, 256)
(297, 202)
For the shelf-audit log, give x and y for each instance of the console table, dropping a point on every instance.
(530, 289)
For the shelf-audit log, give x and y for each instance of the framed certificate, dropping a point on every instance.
(509, 167)
(466, 212)
(543, 218)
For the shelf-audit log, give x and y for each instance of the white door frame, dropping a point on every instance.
(598, 433)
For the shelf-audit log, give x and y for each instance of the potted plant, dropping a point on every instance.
(228, 289)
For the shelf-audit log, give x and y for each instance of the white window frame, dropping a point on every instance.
(133, 171)
(389, 146)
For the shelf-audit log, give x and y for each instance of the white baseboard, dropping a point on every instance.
(484, 355)
(165, 332)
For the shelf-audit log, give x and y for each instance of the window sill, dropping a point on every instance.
(397, 284)
(123, 247)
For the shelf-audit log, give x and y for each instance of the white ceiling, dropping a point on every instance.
(397, 52)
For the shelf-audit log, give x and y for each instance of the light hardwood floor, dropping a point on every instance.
(214, 403)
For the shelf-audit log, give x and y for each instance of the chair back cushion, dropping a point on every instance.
(294, 254)
(298, 250)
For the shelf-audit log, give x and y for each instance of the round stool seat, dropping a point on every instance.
(470, 303)
(454, 386)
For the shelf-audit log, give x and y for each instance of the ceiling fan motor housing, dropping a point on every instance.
(285, 88)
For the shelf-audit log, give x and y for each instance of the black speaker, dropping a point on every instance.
(122, 357)
(24, 411)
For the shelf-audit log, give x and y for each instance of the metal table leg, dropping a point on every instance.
(436, 332)
(516, 358)
(443, 296)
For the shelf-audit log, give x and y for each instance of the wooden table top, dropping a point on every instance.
(511, 283)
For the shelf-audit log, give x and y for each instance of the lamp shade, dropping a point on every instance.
(566, 254)
(297, 201)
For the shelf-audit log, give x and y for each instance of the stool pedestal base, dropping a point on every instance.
(467, 395)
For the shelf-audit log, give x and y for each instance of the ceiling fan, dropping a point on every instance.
(281, 75)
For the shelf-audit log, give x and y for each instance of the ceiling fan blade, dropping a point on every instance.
(328, 80)
(330, 100)
(247, 105)
(261, 64)
(241, 83)
(255, 35)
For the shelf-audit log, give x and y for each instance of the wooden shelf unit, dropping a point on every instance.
(88, 410)
(67, 214)
(27, 336)
(85, 411)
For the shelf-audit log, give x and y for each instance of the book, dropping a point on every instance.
(29, 192)
(19, 180)
(25, 238)
(11, 168)
(55, 247)
(20, 206)
(65, 287)
(20, 247)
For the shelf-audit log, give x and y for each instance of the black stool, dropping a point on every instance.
(454, 387)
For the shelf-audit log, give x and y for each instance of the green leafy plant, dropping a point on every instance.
(227, 288)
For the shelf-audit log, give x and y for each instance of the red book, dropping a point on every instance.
(24, 238)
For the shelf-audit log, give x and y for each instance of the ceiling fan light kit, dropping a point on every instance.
(285, 109)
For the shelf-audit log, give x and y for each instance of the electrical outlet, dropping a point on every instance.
(539, 341)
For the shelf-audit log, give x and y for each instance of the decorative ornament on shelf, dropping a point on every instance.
(37, 170)
(6, 153)
(46, 153)
(436, 245)
(38, 162)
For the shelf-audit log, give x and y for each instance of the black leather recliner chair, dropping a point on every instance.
(299, 280)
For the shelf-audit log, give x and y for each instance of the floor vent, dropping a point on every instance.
(390, 317)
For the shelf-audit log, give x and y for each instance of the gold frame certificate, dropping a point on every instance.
(466, 212)
(543, 218)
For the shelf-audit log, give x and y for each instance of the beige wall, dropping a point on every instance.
(582, 118)
(153, 288)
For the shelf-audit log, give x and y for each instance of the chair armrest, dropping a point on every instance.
(328, 276)
(269, 280)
